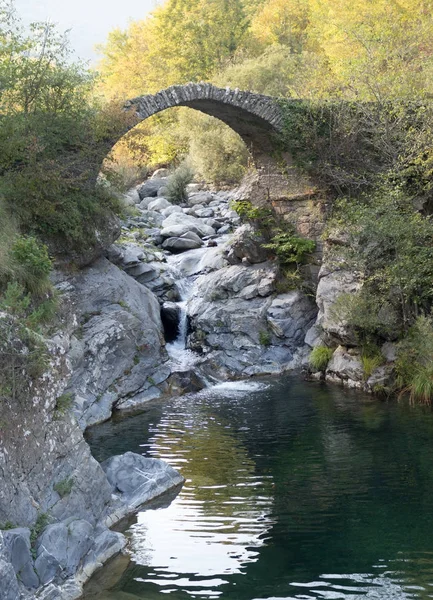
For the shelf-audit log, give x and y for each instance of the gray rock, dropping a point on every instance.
(159, 205)
(332, 284)
(345, 367)
(8, 582)
(224, 229)
(246, 243)
(185, 382)
(190, 235)
(177, 224)
(166, 212)
(200, 198)
(204, 213)
(121, 339)
(179, 244)
(290, 315)
(139, 479)
(61, 548)
(131, 198)
(151, 187)
(313, 337)
(163, 191)
(17, 546)
(145, 202)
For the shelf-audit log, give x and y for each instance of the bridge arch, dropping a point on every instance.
(253, 116)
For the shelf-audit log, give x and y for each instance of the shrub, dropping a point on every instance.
(320, 357)
(414, 364)
(290, 248)
(177, 182)
(64, 404)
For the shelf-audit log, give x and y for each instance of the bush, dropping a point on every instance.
(320, 357)
(290, 248)
(177, 183)
(414, 364)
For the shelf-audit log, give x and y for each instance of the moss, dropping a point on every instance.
(64, 487)
(265, 338)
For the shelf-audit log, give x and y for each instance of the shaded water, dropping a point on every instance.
(294, 490)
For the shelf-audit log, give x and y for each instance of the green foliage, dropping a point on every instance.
(414, 364)
(53, 133)
(370, 363)
(290, 248)
(320, 357)
(64, 487)
(177, 183)
(64, 404)
(265, 338)
(7, 526)
(33, 265)
(391, 245)
(42, 521)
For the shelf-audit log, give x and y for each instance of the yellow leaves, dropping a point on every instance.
(282, 22)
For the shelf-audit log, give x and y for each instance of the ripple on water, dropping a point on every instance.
(293, 491)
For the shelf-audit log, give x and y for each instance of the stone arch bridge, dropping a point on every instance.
(256, 118)
(253, 116)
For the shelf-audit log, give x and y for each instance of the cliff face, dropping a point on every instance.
(56, 501)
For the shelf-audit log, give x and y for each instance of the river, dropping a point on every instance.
(293, 490)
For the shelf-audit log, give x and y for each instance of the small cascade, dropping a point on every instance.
(182, 359)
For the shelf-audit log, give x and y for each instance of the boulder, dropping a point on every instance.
(246, 243)
(151, 187)
(180, 244)
(166, 212)
(190, 235)
(200, 198)
(345, 367)
(8, 582)
(61, 547)
(159, 204)
(290, 315)
(177, 224)
(145, 202)
(131, 198)
(17, 546)
(139, 479)
(332, 284)
(204, 213)
(185, 382)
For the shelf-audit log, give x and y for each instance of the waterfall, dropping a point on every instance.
(181, 358)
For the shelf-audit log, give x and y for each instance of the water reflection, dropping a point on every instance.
(223, 513)
(293, 490)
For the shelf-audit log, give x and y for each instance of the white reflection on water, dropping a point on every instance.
(201, 545)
